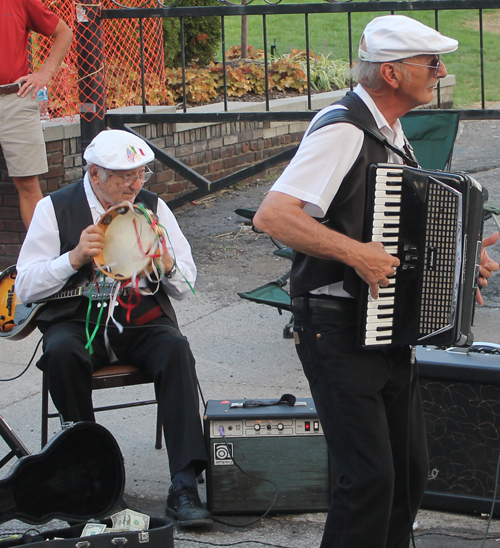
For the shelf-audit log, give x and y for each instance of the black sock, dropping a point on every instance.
(187, 476)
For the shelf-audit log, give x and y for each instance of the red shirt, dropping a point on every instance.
(17, 18)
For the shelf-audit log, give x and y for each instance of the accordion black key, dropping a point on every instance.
(433, 222)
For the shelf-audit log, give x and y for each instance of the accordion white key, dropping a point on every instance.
(432, 221)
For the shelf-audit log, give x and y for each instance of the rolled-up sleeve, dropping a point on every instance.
(41, 270)
(181, 284)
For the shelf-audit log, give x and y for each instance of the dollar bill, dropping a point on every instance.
(129, 520)
(93, 529)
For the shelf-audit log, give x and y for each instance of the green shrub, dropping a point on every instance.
(327, 74)
(202, 36)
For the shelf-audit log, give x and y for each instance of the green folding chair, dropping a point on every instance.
(432, 137)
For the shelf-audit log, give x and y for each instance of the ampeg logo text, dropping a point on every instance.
(223, 453)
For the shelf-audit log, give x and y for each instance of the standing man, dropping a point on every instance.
(57, 253)
(368, 401)
(21, 134)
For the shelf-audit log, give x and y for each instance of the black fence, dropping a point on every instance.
(204, 186)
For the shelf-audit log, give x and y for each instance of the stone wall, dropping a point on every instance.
(213, 150)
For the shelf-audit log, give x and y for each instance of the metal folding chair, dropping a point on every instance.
(110, 376)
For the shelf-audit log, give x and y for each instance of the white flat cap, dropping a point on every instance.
(117, 149)
(393, 37)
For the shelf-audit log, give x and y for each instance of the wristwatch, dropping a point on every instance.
(172, 272)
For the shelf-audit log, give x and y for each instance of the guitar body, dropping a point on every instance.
(78, 475)
(15, 318)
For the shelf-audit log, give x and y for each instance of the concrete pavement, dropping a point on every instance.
(241, 354)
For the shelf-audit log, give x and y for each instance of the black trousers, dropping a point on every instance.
(160, 350)
(369, 405)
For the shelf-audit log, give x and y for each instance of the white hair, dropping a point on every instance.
(368, 74)
(101, 171)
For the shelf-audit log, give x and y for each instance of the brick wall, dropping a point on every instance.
(213, 151)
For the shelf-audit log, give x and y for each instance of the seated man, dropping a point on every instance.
(57, 253)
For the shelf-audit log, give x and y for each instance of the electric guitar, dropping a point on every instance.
(78, 475)
(17, 320)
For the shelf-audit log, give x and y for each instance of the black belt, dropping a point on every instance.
(342, 304)
(9, 88)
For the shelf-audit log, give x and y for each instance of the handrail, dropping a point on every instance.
(120, 120)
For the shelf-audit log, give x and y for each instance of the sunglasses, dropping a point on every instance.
(436, 63)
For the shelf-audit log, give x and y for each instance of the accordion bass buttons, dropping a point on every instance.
(410, 258)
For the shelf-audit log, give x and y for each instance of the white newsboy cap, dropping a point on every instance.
(393, 37)
(117, 149)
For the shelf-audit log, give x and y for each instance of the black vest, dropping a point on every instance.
(73, 216)
(345, 215)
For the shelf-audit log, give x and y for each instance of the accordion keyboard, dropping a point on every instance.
(425, 219)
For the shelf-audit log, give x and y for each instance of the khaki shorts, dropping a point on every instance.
(21, 136)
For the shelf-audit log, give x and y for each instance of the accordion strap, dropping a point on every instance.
(343, 115)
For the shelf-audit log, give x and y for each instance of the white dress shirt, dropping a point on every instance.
(43, 271)
(324, 158)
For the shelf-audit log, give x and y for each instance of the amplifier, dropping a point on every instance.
(461, 397)
(281, 444)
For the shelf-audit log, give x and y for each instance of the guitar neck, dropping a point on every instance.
(77, 292)
(100, 292)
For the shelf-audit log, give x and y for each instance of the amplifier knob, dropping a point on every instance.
(280, 426)
(257, 427)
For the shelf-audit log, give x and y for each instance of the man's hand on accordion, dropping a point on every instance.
(487, 266)
(374, 265)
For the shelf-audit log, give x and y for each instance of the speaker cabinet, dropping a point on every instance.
(259, 453)
(461, 398)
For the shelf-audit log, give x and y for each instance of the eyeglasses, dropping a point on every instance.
(143, 176)
(436, 64)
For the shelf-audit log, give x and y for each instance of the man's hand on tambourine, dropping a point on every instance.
(90, 245)
(487, 266)
(168, 263)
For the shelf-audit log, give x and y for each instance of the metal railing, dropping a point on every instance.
(202, 184)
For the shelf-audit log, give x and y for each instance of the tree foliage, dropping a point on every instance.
(202, 36)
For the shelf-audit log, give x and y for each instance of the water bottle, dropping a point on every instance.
(43, 104)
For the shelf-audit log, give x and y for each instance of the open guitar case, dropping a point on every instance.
(78, 476)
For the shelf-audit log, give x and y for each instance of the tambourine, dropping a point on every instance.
(133, 238)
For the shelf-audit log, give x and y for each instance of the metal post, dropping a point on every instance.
(18, 449)
(90, 62)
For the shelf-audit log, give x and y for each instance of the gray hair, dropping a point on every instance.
(368, 74)
(101, 171)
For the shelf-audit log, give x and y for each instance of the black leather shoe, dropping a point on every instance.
(185, 506)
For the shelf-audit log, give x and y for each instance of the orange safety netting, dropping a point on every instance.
(103, 69)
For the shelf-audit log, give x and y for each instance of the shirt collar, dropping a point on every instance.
(96, 208)
(395, 133)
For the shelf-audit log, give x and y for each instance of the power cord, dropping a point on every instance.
(27, 367)
(276, 490)
(412, 366)
(492, 503)
(233, 543)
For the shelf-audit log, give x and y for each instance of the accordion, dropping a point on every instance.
(432, 221)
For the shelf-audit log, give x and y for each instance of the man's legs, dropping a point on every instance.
(69, 367)
(30, 194)
(352, 389)
(23, 146)
(410, 456)
(163, 353)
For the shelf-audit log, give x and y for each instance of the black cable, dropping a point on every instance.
(276, 489)
(492, 502)
(27, 367)
(461, 537)
(232, 543)
(201, 394)
(412, 366)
